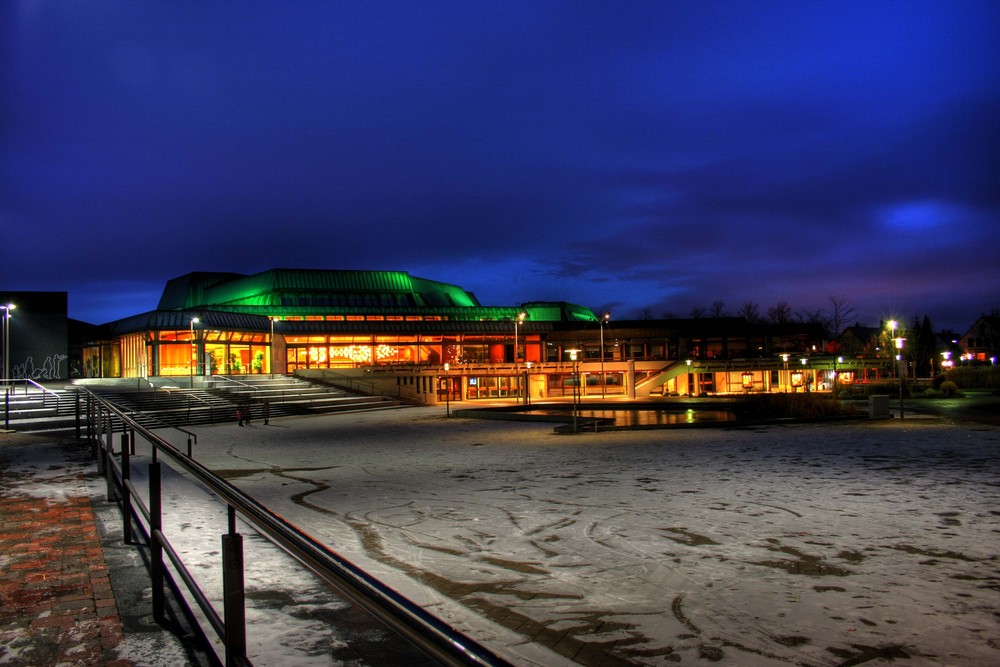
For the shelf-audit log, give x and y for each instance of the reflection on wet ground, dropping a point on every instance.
(646, 417)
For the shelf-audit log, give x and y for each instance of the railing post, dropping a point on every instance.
(90, 425)
(155, 548)
(77, 415)
(126, 492)
(109, 460)
(189, 446)
(234, 596)
(99, 441)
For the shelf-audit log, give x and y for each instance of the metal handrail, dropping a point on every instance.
(219, 378)
(430, 634)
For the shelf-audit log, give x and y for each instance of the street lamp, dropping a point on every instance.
(899, 359)
(6, 342)
(576, 383)
(604, 320)
(892, 336)
(527, 383)
(784, 359)
(689, 379)
(194, 351)
(447, 389)
(836, 374)
(271, 361)
(517, 320)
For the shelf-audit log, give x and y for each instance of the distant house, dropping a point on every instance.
(859, 341)
(982, 341)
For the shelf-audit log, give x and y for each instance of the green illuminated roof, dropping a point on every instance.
(285, 287)
(303, 292)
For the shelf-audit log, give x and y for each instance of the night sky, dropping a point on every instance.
(642, 157)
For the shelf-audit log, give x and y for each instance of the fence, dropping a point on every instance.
(429, 634)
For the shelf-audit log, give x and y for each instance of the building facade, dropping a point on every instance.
(434, 340)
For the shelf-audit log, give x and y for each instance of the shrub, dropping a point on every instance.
(786, 406)
(932, 393)
(949, 389)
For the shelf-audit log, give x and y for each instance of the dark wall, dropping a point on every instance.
(38, 335)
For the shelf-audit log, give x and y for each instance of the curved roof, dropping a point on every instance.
(278, 286)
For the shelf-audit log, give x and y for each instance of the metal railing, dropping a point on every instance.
(408, 620)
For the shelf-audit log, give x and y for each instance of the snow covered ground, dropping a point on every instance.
(828, 544)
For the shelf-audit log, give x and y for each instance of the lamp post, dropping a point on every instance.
(899, 359)
(604, 320)
(271, 355)
(805, 377)
(784, 359)
(892, 336)
(447, 390)
(576, 383)
(194, 351)
(689, 379)
(517, 320)
(6, 342)
(527, 383)
(836, 374)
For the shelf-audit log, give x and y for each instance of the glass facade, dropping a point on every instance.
(320, 352)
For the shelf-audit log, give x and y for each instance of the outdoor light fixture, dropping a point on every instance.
(604, 320)
(527, 385)
(194, 350)
(747, 380)
(518, 320)
(899, 357)
(447, 389)
(576, 382)
(6, 341)
(272, 346)
(892, 336)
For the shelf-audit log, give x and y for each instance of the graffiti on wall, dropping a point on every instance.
(51, 369)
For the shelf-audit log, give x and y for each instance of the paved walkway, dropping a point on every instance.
(57, 606)
(71, 592)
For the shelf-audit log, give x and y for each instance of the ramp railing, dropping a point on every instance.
(437, 639)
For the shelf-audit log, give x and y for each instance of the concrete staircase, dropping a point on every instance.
(48, 410)
(156, 405)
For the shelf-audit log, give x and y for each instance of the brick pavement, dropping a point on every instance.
(57, 606)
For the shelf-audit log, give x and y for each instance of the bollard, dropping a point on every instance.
(156, 567)
(234, 598)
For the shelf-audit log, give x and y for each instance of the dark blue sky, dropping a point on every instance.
(637, 155)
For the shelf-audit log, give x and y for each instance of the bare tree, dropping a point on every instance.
(780, 314)
(718, 309)
(644, 313)
(749, 311)
(697, 313)
(841, 310)
(811, 316)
